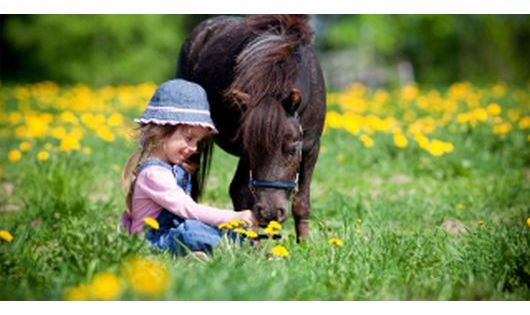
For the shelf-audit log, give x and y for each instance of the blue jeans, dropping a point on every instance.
(180, 236)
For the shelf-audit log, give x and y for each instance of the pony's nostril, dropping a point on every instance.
(281, 213)
(260, 210)
(270, 214)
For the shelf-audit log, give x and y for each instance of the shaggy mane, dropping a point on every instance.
(266, 70)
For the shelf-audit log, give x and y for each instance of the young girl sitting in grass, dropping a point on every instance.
(175, 121)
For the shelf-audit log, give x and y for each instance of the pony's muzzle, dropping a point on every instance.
(267, 214)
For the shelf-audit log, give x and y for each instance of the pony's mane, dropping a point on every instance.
(266, 70)
(293, 25)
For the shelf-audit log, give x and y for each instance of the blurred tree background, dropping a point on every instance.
(379, 50)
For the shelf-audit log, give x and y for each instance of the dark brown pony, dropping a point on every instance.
(267, 99)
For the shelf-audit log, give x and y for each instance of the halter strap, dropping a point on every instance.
(272, 184)
(289, 185)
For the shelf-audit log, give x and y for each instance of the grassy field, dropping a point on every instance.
(425, 194)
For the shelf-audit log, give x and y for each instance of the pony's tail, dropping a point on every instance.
(295, 26)
(127, 183)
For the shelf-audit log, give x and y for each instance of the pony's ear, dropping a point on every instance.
(240, 97)
(292, 103)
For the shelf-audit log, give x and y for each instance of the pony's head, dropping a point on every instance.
(267, 89)
(272, 139)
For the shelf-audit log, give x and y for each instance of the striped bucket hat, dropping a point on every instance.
(178, 102)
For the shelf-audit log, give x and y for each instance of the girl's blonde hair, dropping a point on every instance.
(150, 137)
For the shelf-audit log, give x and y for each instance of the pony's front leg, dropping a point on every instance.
(301, 214)
(239, 191)
(301, 201)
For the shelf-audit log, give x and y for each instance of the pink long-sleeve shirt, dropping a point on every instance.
(156, 189)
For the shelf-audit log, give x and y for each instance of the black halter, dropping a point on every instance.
(289, 185)
(261, 183)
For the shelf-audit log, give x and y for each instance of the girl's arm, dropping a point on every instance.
(159, 184)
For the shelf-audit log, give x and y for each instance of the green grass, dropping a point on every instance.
(389, 206)
(65, 230)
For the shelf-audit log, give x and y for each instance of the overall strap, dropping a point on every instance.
(182, 177)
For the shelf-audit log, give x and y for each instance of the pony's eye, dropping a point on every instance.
(292, 151)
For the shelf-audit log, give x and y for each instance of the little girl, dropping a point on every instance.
(175, 121)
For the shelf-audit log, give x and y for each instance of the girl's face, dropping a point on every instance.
(181, 144)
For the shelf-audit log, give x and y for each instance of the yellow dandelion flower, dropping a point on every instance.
(448, 147)
(439, 148)
(275, 225)
(224, 226)
(43, 155)
(464, 118)
(14, 156)
(528, 222)
(146, 276)
(279, 251)
(335, 241)
(105, 134)
(69, 143)
(25, 146)
(105, 286)
(422, 141)
(69, 117)
(524, 123)
(239, 231)
(273, 228)
(152, 223)
(89, 120)
(6, 236)
(481, 222)
(236, 223)
(502, 129)
(334, 120)
(493, 109)
(58, 132)
(269, 231)
(460, 206)
(252, 235)
(480, 114)
(115, 119)
(367, 141)
(400, 140)
(79, 293)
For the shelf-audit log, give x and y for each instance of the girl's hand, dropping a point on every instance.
(246, 216)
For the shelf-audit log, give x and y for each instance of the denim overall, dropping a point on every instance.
(179, 235)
